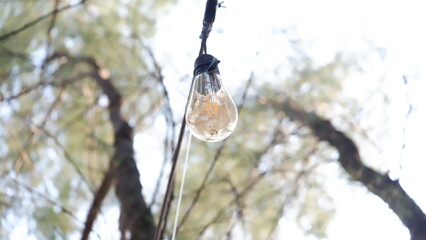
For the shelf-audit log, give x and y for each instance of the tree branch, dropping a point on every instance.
(388, 190)
(214, 161)
(46, 198)
(169, 140)
(37, 20)
(97, 203)
(52, 23)
(135, 216)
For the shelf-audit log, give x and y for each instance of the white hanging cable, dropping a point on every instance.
(185, 166)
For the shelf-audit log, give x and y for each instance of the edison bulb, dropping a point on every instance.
(211, 113)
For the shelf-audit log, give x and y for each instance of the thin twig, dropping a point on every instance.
(209, 16)
(37, 20)
(22, 92)
(169, 190)
(100, 195)
(261, 174)
(47, 199)
(170, 133)
(30, 138)
(202, 185)
(295, 187)
(215, 159)
(70, 159)
(241, 194)
(52, 24)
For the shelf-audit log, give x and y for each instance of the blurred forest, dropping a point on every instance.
(80, 82)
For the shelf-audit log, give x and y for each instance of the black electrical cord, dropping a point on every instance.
(209, 17)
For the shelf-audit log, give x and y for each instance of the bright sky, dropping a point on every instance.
(247, 27)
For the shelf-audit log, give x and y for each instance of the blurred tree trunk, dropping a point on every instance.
(135, 216)
(390, 191)
(136, 219)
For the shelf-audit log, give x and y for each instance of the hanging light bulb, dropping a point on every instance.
(211, 114)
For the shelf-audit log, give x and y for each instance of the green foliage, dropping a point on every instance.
(267, 168)
(56, 136)
(52, 223)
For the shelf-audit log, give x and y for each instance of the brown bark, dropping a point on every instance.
(135, 216)
(97, 203)
(136, 219)
(388, 190)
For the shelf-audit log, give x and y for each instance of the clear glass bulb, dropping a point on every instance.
(211, 114)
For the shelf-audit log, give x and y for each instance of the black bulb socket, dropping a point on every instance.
(206, 63)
